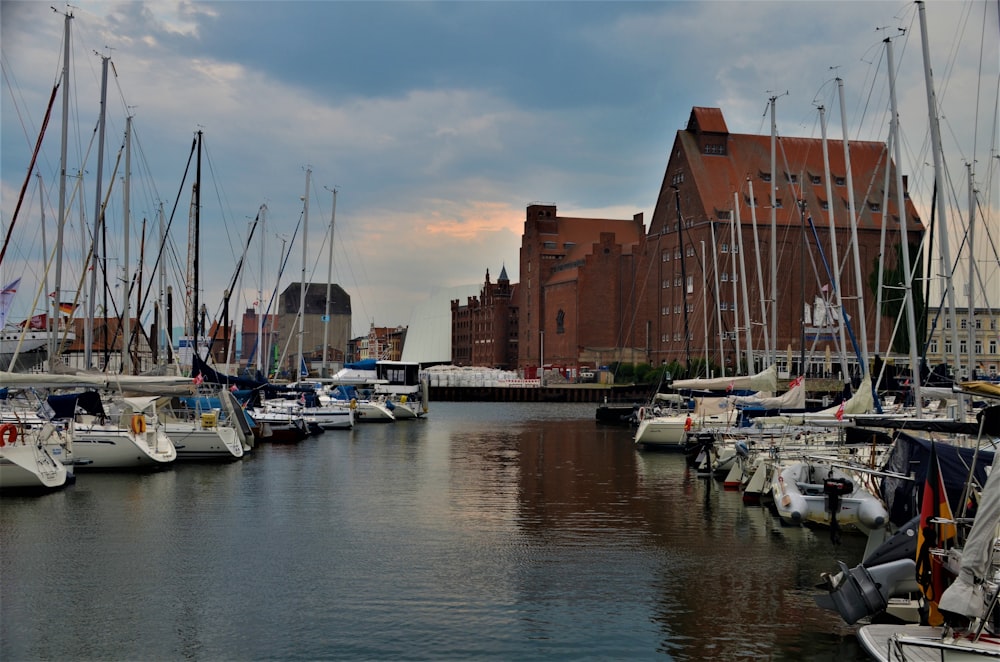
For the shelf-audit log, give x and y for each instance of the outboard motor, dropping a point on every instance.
(888, 572)
(834, 489)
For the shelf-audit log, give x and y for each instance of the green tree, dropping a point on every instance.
(894, 279)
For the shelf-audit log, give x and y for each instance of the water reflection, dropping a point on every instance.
(510, 531)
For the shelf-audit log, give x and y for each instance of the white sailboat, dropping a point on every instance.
(25, 461)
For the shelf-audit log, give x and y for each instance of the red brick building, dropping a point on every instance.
(576, 294)
(594, 291)
(716, 181)
(484, 330)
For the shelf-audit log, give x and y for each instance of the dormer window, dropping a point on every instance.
(875, 207)
(792, 177)
(815, 179)
(765, 176)
(839, 181)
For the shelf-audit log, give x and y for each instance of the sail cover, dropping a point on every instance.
(766, 380)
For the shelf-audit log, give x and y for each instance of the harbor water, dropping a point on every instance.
(508, 531)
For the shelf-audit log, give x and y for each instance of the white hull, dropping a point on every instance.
(194, 442)
(330, 417)
(798, 490)
(663, 431)
(27, 464)
(921, 643)
(372, 412)
(107, 446)
(408, 410)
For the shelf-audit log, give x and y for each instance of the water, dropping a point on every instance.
(503, 531)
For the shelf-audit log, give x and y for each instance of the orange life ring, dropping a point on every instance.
(138, 424)
(8, 434)
(687, 424)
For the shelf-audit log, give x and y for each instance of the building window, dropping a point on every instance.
(735, 249)
(665, 310)
(933, 347)
(979, 347)
(993, 347)
(824, 205)
(777, 203)
(723, 215)
(947, 322)
(666, 284)
(724, 248)
(677, 253)
(963, 323)
(678, 178)
(690, 286)
(875, 207)
(839, 181)
(725, 277)
(765, 176)
(947, 348)
(677, 281)
(715, 148)
(677, 309)
(792, 177)
(690, 251)
(979, 323)
(815, 179)
(723, 305)
(963, 347)
(750, 202)
(665, 257)
(690, 307)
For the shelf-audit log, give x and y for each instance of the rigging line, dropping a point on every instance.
(27, 178)
(159, 253)
(233, 280)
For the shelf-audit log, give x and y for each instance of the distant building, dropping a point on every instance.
(383, 343)
(314, 322)
(981, 330)
(485, 328)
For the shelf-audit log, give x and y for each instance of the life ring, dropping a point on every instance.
(687, 424)
(138, 424)
(642, 413)
(8, 434)
(354, 403)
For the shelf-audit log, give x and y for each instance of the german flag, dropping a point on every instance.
(934, 535)
(68, 308)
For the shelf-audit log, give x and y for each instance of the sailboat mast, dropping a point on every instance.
(760, 278)
(61, 220)
(911, 323)
(745, 303)
(774, 237)
(718, 308)
(329, 277)
(126, 312)
(261, 345)
(862, 321)
(98, 222)
(942, 207)
(302, 289)
(834, 254)
(971, 321)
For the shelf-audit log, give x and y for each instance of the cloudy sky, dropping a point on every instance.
(438, 122)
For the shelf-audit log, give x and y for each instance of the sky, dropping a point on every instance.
(436, 123)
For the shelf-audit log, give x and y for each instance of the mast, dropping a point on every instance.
(261, 345)
(161, 332)
(61, 220)
(971, 322)
(98, 223)
(197, 250)
(704, 307)
(774, 236)
(126, 323)
(911, 323)
(302, 289)
(329, 277)
(760, 277)
(946, 266)
(745, 305)
(863, 323)
(835, 255)
(718, 309)
(680, 236)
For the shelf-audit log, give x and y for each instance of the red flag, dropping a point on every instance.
(38, 321)
(233, 388)
(198, 379)
(732, 385)
(796, 382)
(930, 535)
(840, 411)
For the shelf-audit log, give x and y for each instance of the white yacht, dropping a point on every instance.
(25, 461)
(128, 437)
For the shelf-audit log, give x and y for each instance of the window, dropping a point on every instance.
(677, 253)
(736, 277)
(723, 215)
(875, 207)
(933, 347)
(815, 179)
(690, 307)
(963, 347)
(993, 347)
(947, 348)
(723, 305)
(839, 181)
(824, 205)
(666, 256)
(665, 310)
(666, 284)
(777, 203)
(979, 347)
(724, 248)
(765, 176)
(963, 323)
(549, 245)
(792, 177)
(690, 285)
(678, 178)
(715, 148)
(677, 281)
(735, 250)
(979, 323)
(690, 251)
(725, 277)
(750, 202)
(677, 309)
(947, 322)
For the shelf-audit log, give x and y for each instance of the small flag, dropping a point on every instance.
(796, 382)
(840, 412)
(732, 385)
(233, 388)
(198, 379)
(68, 307)
(825, 288)
(930, 535)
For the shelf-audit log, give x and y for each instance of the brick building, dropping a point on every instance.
(716, 182)
(484, 330)
(313, 323)
(576, 295)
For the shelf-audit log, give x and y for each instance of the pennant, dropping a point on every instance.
(796, 382)
(6, 298)
(931, 575)
(840, 411)
(198, 379)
